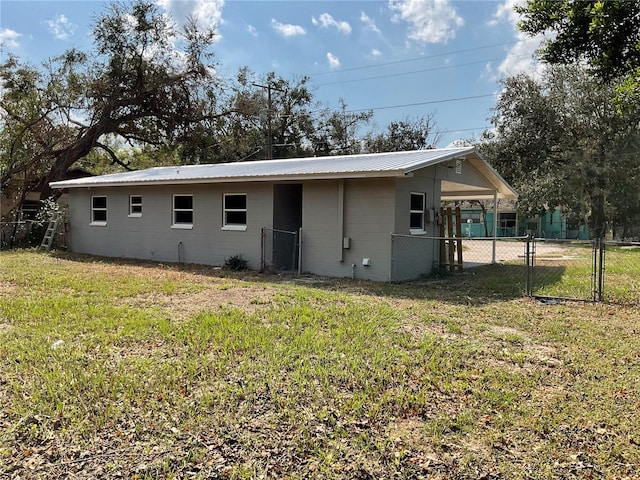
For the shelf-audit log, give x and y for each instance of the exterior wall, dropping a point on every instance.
(418, 254)
(367, 213)
(151, 236)
(553, 224)
(478, 229)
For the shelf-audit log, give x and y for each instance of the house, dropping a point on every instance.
(344, 208)
(554, 223)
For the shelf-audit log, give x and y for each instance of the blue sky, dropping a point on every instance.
(402, 58)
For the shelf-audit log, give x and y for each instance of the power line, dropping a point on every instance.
(446, 67)
(430, 102)
(415, 59)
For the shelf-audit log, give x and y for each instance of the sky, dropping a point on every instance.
(404, 59)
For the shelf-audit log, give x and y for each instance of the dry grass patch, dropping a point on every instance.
(168, 371)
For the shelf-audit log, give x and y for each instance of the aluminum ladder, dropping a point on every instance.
(50, 233)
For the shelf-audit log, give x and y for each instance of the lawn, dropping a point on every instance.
(118, 369)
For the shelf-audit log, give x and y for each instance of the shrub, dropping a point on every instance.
(236, 262)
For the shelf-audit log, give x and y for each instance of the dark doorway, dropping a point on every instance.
(287, 221)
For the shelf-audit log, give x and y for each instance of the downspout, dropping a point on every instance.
(495, 226)
(341, 219)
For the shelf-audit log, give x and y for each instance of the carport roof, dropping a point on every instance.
(394, 164)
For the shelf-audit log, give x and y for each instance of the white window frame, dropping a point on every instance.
(174, 210)
(94, 209)
(133, 204)
(234, 226)
(421, 230)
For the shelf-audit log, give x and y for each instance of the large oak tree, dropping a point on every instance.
(560, 142)
(146, 82)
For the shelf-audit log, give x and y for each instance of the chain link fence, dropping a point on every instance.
(280, 250)
(414, 256)
(21, 234)
(564, 269)
(591, 270)
(621, 272)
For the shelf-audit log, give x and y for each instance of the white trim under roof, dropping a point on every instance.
(373, 165)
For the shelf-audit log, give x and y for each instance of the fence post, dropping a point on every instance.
(299, 245)
(601, 251)
(527, 270)
(262, 262)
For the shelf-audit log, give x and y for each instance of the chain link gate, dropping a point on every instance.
(565, 269)
(280, 250)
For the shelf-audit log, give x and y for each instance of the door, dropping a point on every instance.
(287, 221)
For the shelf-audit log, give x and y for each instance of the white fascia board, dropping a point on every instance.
(240, 179)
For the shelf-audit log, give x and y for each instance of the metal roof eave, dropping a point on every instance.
(237, 179)
(461, 154)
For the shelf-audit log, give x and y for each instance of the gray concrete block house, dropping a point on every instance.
(344, 208)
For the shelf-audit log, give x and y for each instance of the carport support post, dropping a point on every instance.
(495, 225)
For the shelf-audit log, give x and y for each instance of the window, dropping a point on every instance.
(135, 205)
(416, 213)
(475, 217)
(234, 214)
(182, 211)
(99, 211)
(507, 220)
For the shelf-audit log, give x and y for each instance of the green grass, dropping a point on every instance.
(571, 275)
(152, 371)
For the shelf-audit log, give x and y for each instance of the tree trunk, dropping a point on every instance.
(74, 152)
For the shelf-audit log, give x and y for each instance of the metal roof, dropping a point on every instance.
(393, 164)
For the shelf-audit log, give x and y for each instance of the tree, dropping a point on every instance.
(603, 33)
(336, 131)
(402, 135)
(135, 86)
(269, 117)
(560, 142)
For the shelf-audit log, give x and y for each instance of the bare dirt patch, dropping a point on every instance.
(184, 305)
(7, 288)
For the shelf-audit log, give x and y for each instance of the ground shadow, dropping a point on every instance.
(478, 285)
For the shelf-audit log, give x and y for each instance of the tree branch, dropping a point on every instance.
(114, 157)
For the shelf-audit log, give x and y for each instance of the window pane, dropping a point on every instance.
(416, 221)
(235, 202)
(136, 208)
(184, 217)
(99, 202)
(183, 202)
(417, 202)
(136, 200)
(99, 215)
(236, 218)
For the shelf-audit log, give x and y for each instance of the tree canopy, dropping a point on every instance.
(603, 33)
(560, 142)
(146, 83)
(148, 93)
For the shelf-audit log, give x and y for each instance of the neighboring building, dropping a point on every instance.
(346, 207)
(551, 224)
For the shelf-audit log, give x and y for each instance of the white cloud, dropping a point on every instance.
(61, 27)
(369, 23)
(327, 21)
(506, 13)
(521, 57)
(334, 62)
(252, 30)
(287, 30)
(431, 21)
(375, 52)
(208, 13)
(9, 38)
